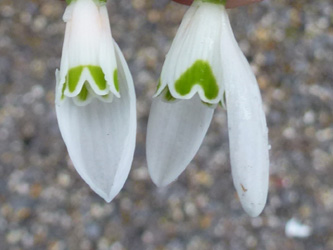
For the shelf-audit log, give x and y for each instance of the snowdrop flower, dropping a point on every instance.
(95, 99)
(203, 68)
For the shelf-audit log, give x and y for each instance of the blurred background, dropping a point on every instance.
(44, 204)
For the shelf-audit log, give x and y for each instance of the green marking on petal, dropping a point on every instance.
(168, 96)
(74, 74)
(223, 2)
(63, 91)
(98, 76)
(158, 85)
(84, 93)
(73, 77)
(200, 73)
(115, 79)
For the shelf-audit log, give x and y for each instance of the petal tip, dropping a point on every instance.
(253, 204)
(161, 182)
(106, 194)
(107, 198)
(159, 179)
(253, 210)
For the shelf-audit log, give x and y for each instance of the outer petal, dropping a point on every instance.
(100, 137)
(175, 133)
(247, 125)
(192, 65)
(64, 65)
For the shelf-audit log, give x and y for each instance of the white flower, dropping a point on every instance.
(204, 67)
(95, 99)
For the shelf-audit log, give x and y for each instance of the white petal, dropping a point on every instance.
(174, 135)
(64, 65)
(68, 12)
(247, 126)
(100, 137)
(197, 39)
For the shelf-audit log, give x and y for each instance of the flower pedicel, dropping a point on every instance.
(203, 68)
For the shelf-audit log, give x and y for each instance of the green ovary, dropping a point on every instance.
(200, 73)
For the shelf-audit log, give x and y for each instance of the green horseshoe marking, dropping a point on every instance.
(74, 74)
(98, 76)
(73, 77)
(200, 73)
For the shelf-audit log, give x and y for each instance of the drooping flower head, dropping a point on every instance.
(95, 99)
(205, 67)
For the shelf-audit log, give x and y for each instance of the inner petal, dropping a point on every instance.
(199, 74)
(88, 81)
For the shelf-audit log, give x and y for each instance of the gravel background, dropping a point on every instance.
(44, 204)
